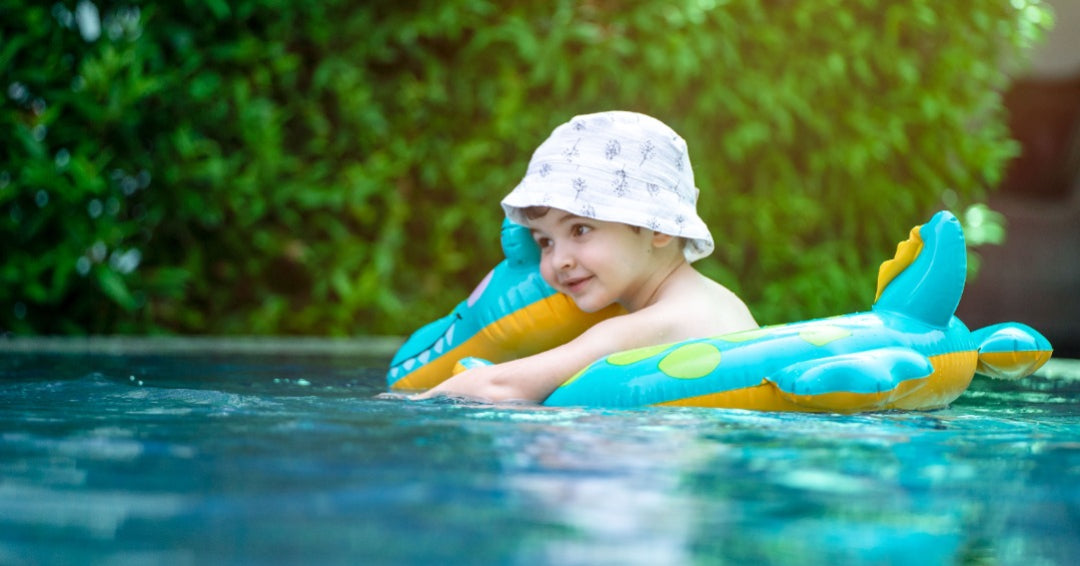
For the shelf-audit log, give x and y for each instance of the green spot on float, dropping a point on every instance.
(824, 335)
(691, 361)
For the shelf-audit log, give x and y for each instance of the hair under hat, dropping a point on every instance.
(618, 167)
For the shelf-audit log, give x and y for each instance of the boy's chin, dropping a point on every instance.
(588, 307)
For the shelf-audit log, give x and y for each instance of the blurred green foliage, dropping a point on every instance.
(267, 166)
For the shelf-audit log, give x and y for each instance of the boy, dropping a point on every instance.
(611, 202)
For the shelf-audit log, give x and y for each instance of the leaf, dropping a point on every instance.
(112, 285)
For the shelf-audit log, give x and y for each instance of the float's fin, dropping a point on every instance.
(926, 277)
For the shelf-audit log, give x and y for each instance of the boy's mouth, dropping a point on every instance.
(576, 284)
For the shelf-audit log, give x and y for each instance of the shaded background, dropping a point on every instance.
(1035, 273)
(259, 167)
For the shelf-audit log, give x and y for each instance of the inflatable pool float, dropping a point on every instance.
(908, 352)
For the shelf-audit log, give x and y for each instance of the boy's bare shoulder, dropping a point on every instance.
(706, 308)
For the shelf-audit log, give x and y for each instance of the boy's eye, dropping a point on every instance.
(543, 242)
(579, 230)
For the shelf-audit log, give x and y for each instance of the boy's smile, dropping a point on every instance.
(575, 285)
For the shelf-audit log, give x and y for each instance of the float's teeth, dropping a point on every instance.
(424, 357)
(438, 347)
(449, 336)
(409, 363)
(394, 372)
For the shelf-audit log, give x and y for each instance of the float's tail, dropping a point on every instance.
(1010, 350)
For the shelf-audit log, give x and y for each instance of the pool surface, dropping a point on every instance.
(214, 459)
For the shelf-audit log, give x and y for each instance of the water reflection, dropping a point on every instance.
(682, 486)
(274, 460)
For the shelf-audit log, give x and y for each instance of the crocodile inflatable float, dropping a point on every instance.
(908, 352)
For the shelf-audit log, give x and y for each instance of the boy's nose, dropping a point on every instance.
(561, 260)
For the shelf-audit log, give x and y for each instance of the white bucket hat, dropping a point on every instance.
(618, 167)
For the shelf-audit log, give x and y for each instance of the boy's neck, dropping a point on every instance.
(666, 274)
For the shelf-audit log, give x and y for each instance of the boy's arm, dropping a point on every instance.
(533, 378)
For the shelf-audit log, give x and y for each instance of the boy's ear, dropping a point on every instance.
(660, 239)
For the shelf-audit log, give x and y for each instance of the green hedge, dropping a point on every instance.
(267, 166)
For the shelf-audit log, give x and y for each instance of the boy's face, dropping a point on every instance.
(595, 263)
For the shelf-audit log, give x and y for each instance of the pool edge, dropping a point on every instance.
(361, 346)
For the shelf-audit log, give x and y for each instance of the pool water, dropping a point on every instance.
(184, 459)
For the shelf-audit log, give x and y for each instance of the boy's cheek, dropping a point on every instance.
(548, 275)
